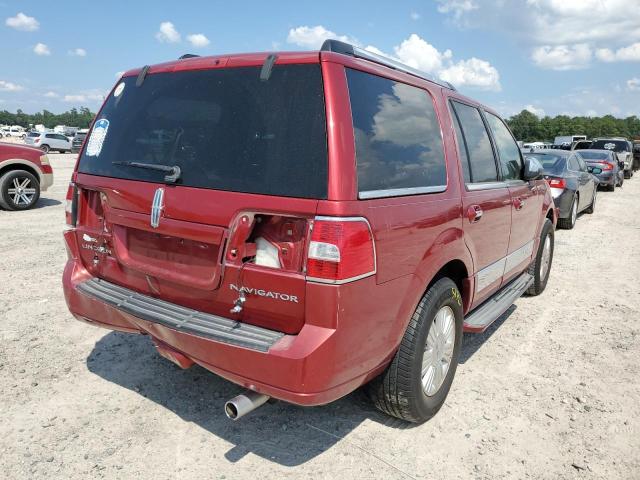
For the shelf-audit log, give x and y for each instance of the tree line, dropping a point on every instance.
(73, 118)
(525, 125)
(529, 128)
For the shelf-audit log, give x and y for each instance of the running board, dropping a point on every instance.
(487, 313)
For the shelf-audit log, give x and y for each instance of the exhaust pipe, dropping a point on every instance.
(244, 403)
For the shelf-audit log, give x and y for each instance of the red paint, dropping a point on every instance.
(14, 157)
(337, 337)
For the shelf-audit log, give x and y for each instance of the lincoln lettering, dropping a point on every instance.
(265, 293)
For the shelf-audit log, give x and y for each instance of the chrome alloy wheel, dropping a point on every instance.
(546, 258)
(21, 191)
(438, 350)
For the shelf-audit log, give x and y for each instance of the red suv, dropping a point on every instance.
(303, 224)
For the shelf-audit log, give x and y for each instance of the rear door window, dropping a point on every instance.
(475, 140)
(224, 128)
(508, 151)
(398, 138)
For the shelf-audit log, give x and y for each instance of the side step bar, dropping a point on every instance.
(180, 318)
(487, 313)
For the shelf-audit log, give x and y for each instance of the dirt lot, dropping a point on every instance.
(550, 391)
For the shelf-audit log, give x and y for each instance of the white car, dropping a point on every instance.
(49, 141)
(15, 131)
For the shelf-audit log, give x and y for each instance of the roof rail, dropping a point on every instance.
(347, 49)
(188, 55)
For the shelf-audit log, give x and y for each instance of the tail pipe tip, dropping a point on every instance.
(246, 402)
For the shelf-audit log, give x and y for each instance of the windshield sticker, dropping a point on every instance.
(610, 146)
(118, 90)
(99, 133)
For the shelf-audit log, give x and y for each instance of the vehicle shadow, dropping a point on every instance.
(471, 342)
(279, 432)
(46, 202)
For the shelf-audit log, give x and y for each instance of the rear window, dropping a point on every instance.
(552, 164)
(587, 155)
(398, 138)
(225, 129)
(33, 134)
(615, 145)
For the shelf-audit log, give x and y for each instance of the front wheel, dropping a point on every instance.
(541, 265)
(416, 383)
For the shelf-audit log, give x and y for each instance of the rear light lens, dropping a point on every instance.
(557, 182)
(341, 250)
(607, 166)
(71, 206)
(37, 140)
(44, 160)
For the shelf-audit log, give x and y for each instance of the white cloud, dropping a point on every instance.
(51, 94)
(89, 96)
(23, 22)
(10, 87)
(167, 33)
(414, 16)
(417, 53)
(198, 40)
(78, 52)
(313, 37)
(456, 7)
(473, 73)
(624, 54)
(41, 49)
(562, 57)
(538, 112)
(633, 84)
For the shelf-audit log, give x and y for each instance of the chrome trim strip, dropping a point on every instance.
(473, 187)
(340, 282)
(490, 274)
(518, 256)
(399, 192)
(156, 207)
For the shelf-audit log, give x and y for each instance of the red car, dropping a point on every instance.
(303, 224)
(24, 173)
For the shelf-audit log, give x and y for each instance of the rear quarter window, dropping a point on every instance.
(397, 135)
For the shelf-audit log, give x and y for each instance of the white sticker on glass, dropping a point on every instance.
(98, 134)
(119, 89)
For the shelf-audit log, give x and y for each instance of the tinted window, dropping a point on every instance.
(478, 146)
(615, 145)
(462, 150)
(397, 134)
(49, 135)
(587, 155)
(552, 164)
(225, 128)
(508, 150)
(33, 134)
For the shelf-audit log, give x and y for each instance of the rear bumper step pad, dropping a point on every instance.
(483, 316)
(181, 318)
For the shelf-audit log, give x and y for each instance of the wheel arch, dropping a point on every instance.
(20, 164)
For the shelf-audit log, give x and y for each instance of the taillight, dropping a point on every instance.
(37, 140)
(71, 206)
(557, 182)
(607, 166)
(341, 250)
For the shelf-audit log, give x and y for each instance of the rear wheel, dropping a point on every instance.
(570, 222)
(19, 190)
(541, 266)
(416, 383)
(45, 148)
(592, 207)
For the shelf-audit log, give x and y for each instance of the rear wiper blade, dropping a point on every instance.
(173, 171)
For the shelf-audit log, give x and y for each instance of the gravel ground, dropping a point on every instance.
(550, 391)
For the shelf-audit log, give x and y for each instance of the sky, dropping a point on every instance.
(572, 57)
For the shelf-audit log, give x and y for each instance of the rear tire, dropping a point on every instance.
(19, 190)
(401, 391)
(45, 148)
(592, 208)
(569, 223)
(540, 268)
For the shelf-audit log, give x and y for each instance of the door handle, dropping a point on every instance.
(474, 213)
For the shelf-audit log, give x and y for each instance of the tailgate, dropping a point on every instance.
(201, 253)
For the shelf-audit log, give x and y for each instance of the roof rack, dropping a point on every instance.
(188, 55)
(347, 49)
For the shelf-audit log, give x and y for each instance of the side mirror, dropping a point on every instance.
(532, 169)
